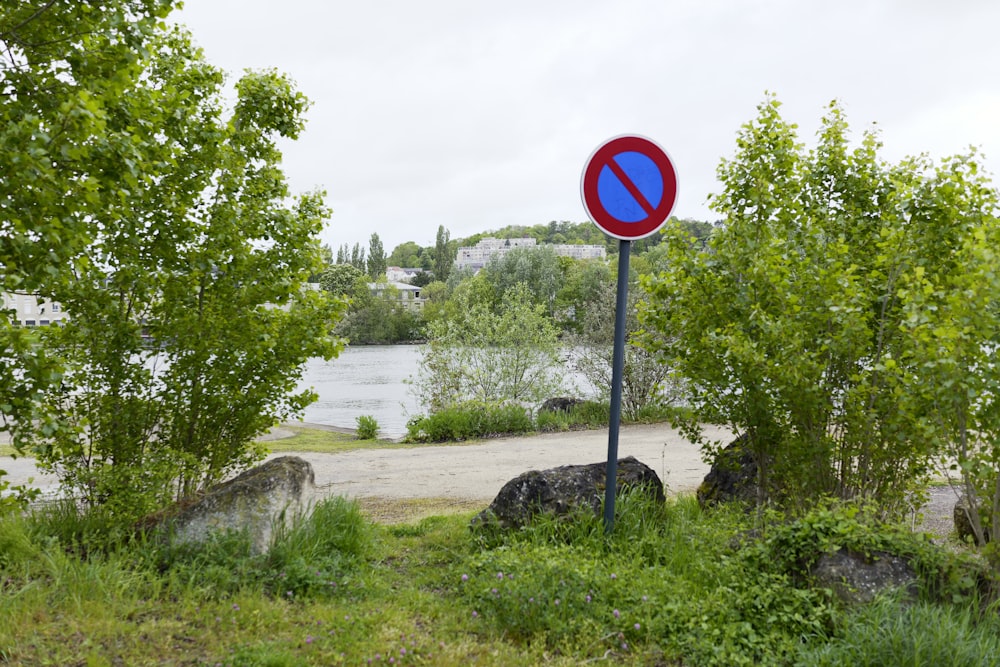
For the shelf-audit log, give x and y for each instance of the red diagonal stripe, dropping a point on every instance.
(630, 186)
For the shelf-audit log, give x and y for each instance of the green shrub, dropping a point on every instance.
(469, 420)
(792, 547)
(367, 427)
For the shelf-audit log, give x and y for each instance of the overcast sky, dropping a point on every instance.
(476, 115)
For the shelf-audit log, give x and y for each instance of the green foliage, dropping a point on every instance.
(376, 263)
(647, 382)
(190, 315)
(589, 414)
(468, 421)
(788, 324)
(793, 547)
(662, 578)
(380, 318)
(666, 587)
(511, 356)
(367, 427)
(889, 633)
(341, 279)
(538, 269)
(444, 254)
(63, 67)
(407, 255)
(950, 320)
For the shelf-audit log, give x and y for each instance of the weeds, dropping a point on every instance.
(668, 586)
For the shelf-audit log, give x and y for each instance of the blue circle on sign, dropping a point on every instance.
(643, 192)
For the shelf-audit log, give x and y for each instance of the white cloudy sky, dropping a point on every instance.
(475, 115)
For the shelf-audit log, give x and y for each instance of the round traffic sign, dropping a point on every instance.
(629, 187)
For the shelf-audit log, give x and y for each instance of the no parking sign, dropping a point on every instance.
(629, 187)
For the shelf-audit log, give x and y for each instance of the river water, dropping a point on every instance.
(374, 380)
(365, 380)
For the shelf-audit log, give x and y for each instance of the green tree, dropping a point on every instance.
(786, 324)
(376, 258)
(646, 380)
(538, 268)
(191, 318)
(341, 279)
(406, 255)
(326, 261)
(951, 318)
(585, 281)
(61, 64)
(358, 257)
(444, 254)
(511, 356)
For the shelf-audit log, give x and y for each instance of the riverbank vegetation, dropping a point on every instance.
(669, 586)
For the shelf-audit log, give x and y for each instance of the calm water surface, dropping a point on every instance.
(372, 380)
(365, 380)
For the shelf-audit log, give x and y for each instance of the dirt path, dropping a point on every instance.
(406, 483)
(476, 472)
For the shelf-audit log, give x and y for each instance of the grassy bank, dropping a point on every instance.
(671, 586)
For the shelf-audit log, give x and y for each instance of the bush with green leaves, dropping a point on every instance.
(367, 427)
(469, 420)
(797, 321)
(508, 356)
(185, 280)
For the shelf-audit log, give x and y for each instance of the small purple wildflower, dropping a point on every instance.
(617, 615)
(402, 651)
(475, 614)
(587, 598)
(614, 576)
(637, 626)
(309, 639)
(465, 577)
(499, 575)
(624, 646)
(557, 602)
(236, 607)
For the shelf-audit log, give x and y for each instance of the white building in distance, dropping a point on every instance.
(479, 255)
(30, 310)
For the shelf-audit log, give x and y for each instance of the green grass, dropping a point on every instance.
(667, 587)
(317, 440)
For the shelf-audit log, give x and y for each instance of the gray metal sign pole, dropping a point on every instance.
(617, 371)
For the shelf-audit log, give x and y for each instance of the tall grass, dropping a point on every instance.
(670, 585)
(887, 633)
(308, 558)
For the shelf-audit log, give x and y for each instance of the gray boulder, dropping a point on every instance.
(858, 580)
(564, 490)
(732, 477)
(258, 500)
(962, 515)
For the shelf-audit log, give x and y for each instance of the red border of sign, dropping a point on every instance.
(610, 225)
